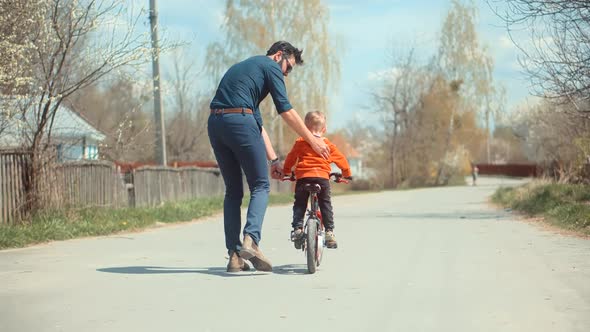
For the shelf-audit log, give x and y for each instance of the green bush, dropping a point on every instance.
(564, 205)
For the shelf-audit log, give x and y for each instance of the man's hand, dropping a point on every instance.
(276, 170)
(321, 148)
(296, 123)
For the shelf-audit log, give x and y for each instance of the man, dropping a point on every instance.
(240, 142)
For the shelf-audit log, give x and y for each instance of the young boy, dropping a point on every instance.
(312, 168)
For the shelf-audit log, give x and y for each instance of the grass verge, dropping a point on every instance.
(564, 205)
(75, 223)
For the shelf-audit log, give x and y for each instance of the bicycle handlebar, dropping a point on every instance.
(336, 177)
(339, 179)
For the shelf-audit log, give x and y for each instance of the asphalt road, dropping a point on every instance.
(435, 259)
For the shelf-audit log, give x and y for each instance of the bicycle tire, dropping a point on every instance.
(311, 247)
(320, 245)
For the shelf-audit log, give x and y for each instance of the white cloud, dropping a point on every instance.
(388, 74)
(505, 42)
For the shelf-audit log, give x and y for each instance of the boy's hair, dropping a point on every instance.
(288, 50)
(315, 121)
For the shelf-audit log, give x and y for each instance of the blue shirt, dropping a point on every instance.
(247, 83)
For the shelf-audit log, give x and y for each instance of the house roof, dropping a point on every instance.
(72, 124)
(66, 124)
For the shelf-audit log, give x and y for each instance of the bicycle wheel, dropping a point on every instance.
(321, 238)
(312, 244)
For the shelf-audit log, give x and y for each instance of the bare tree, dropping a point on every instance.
(430, 113)
(187, 138)
(251, 26)
(399, 94)
(555, 137)
(466, 66)
(117, 109)
(556, 57)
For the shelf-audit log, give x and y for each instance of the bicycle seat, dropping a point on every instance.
(312, 187)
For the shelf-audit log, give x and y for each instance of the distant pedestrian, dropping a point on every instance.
(474, 173)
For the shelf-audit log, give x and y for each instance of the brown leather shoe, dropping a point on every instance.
(236, 263)
(251, 252)
(331, 240)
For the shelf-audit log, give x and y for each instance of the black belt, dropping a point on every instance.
(231, 110)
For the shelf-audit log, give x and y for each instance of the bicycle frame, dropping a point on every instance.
(315, 215)
(313, 240)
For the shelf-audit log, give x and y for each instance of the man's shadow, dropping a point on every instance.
(290, 269)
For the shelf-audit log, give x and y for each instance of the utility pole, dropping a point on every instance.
(488, 138)
(488, 134)
(158, 111)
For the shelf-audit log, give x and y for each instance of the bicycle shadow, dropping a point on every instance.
(290, 269)
(215, 271)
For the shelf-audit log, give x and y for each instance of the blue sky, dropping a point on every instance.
(368, 29)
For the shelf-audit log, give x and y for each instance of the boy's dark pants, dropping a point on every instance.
(324, 202)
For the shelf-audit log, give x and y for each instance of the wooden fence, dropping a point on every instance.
(74, 184)
(520, 170)
(13, 177)
(99, 183)
(95, 183)
(154, 185)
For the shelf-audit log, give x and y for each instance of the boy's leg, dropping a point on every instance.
(300, 204)
(325, 204)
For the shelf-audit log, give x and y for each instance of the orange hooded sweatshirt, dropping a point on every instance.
(309, 164)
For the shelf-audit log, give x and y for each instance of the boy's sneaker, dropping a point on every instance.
(331, 240)
(297, 237)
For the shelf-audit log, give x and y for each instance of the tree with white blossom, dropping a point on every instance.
(53, 48)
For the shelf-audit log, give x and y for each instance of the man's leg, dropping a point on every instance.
(229, 166)
(248, 147)
(253, 158)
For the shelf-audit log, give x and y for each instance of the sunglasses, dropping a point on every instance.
(289, 67)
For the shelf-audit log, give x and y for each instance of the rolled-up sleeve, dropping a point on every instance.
(277, 89)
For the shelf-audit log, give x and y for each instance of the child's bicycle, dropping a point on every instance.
(313, 240)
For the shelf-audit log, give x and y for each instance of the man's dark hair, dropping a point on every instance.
(288, 50)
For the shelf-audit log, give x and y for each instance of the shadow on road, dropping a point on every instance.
(216, 271)
(289, 269)
(457, 215)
